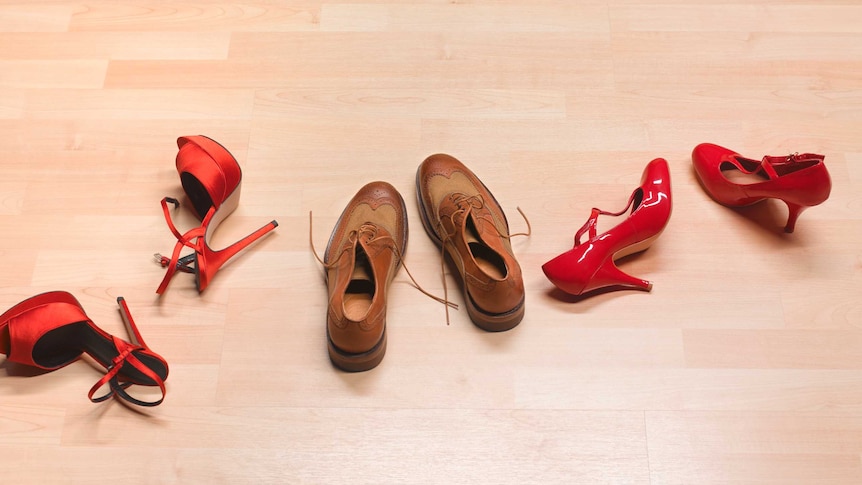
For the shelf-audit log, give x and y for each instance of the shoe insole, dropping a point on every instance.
(360, 290)
(488, 260)
(743, 178)
(197, 193)
(733, 174)
(64, 344)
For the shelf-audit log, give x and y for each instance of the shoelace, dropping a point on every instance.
(466, 205)
(125, 355)
(370, 230)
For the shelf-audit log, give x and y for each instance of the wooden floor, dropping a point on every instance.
(743, 365)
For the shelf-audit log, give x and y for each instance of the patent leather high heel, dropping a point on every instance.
(590, 265)
(51, 330)
(211, 178)
(799, 180)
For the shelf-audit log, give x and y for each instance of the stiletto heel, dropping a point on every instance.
(609, 275)
(211, 178)
(590, 265)
(51, 330)
(793, 211)
(800, 180)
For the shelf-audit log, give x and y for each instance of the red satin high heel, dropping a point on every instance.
(211, 178)
(799, 180)
(590, 265)
(51, 330)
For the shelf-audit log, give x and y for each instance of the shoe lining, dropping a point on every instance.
(197, 193)
(488, 260)
(64, 344)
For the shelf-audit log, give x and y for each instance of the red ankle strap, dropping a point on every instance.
(590, 225)
(772, 164)
(193, 238)
(125, 356)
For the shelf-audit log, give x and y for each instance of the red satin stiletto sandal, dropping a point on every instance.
(799, 180)
(51, 330)
(590, 265)
(211, 178)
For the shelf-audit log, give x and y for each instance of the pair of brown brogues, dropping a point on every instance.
(368, 243)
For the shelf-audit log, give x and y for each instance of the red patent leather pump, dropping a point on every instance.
(799, 180)
(211, 179)
(590, 266)
(51, 330)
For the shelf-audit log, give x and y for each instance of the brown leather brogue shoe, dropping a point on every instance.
(362, 257)
(461, 216)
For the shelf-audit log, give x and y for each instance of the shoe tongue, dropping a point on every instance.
(368, 235)
(457, 202)
(360, 247)
(362, 273)
(469, 216)
(455, 210)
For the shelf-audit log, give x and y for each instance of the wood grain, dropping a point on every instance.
(741, 366)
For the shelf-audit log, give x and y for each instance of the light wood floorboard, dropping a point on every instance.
(743, 365)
